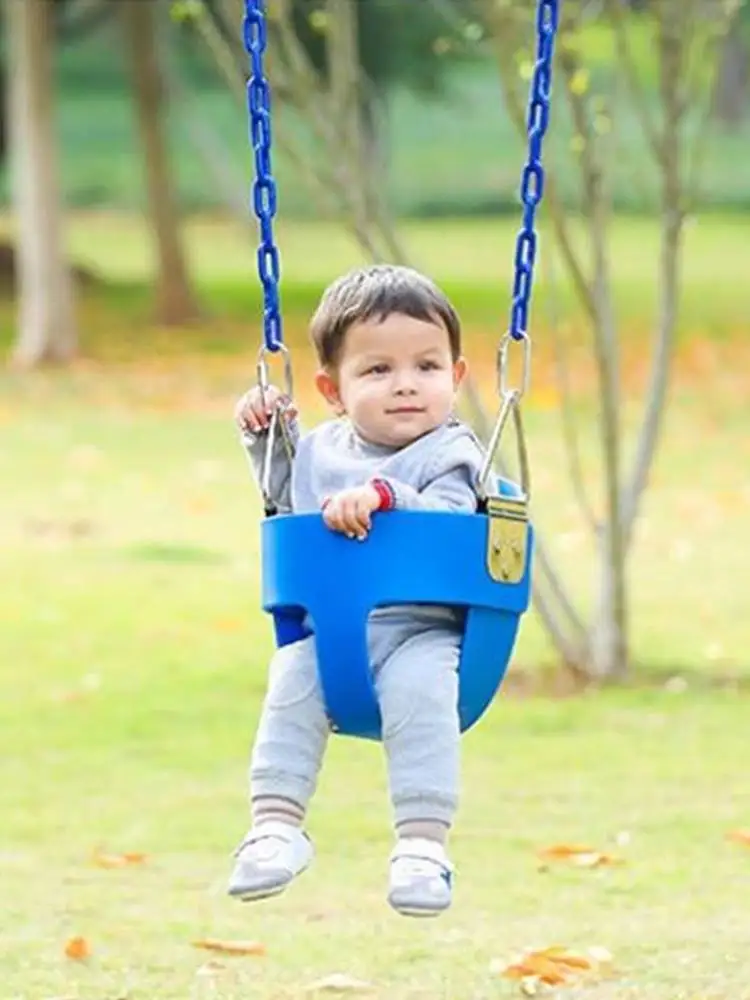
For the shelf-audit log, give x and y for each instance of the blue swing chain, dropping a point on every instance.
(255, 38)
(532, 178)
(264, 187)
(532, 189)
(532, 182)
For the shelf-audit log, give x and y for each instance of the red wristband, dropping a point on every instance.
(385, 493)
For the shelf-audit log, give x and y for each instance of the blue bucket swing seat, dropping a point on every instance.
(480, 562)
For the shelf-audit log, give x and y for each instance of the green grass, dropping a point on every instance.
(133, 657)
(473, 258)
(131, 669)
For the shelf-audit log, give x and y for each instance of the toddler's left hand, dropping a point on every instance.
(350, 511)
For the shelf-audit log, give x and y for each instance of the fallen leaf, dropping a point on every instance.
(581, 856)
(556, 966)
(561, 852)
(124, 860)
(740, 837)
(567, 959)
(537, 968)
(339, 982)
(231, 947)
(77, 948)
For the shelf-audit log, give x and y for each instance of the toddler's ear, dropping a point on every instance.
(326, 386)
(459, 372)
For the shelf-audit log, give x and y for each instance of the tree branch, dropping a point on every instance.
(617, 16)
(671, 53)
(694, 158)
(293, 77)
(500, 21)
(573, 653)
(609, 653)
(222, 53)
(570, 431)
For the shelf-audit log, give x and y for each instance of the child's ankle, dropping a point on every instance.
(424, 829)
(275, 808)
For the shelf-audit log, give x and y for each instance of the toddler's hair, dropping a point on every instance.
(377, 292)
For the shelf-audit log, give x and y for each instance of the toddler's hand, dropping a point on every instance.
(350, 511)
(254, 410)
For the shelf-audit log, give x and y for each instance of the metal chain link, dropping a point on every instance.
(264, 187)
(255, 38)
(532, 191)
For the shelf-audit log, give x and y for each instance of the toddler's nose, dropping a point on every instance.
(404, 385)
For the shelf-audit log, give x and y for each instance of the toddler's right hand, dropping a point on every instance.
(254, 410)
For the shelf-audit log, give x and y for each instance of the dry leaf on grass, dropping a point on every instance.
(339, 982)
(256, 948)
(578, 855)
(557, 966)
(102, 859)
(77, 948)
(739, 837)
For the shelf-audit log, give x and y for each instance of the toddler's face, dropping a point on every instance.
(396, 379)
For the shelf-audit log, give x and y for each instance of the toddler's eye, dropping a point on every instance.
(428, 366)
(377, 370)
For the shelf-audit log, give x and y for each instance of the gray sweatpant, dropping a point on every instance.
(416, 681)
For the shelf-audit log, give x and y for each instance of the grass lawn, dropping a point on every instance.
(132, 660)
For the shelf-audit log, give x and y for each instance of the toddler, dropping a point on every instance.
(389, 348)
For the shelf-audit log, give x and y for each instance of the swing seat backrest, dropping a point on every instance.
(409, 558)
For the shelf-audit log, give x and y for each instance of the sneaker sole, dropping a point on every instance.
(419, 911)
(251, 895)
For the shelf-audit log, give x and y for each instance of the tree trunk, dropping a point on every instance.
(175, 301)
(607, 646)
(46, 318)
(3, 116)
(732, 86)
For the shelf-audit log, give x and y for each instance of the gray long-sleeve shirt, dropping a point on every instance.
(438, 471)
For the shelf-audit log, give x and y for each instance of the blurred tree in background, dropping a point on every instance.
(640, 87)
(732, 91)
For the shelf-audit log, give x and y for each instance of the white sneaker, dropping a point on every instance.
(268, 859)
(421, 878)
